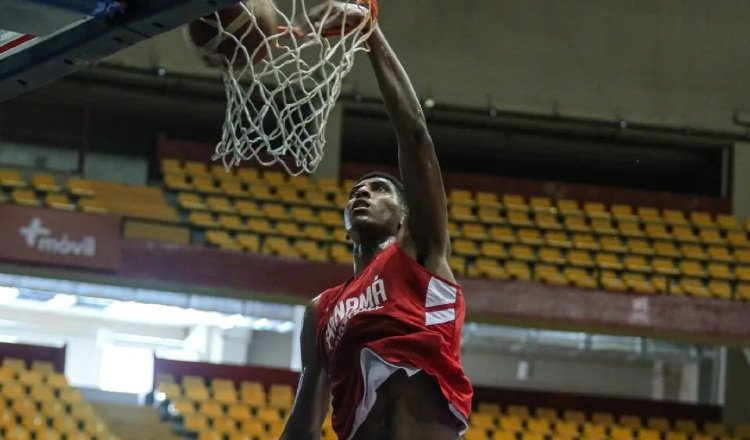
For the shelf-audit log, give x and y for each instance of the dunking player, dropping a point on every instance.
(385, 344)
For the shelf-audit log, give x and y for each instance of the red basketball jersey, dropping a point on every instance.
(393, 315)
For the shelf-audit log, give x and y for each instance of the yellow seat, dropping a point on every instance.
(666, 249)
(231, 223)
(596, 210)
(692, 269)
(611, 281)
(202, 219)
(195, 168)
(316, 232)
(460, 197)
(490, 215)
(720, 271)
(658, 424)
(275, 178)
(59, 201)
(44, 182)
(742, 430)
(30, 377)
(504, 435)
(743, 292)
(260, 226)
(465, 247)
(603, 226)
(492, 250)
(623, 213)
(658, 231)
(585, 242)
(268, 415)
(557, 239)
(515, 202)
(518, 410)
(664, 266)
(693, 287)
(602, 418)
(474, 231)
(317, 199)
(701, 219)
(711, 237)
(222, 240)
(239, 412)
(720, 254)
(727, 222)
(580, 258)
(488, 268)
(249, 242)
(278, 246)
(502, 234)
(648, 434)
(248, 174)
(310, 250)
(289, 195)
(742, 273)
(211, 409)
(219, 204)
(531, 237)
(636, 282)
(260, 191)
(568, 428)
(518, 270)
(742, 256)
(25, 197)
(551, 256)
(519, 219)
(233, 188)
(620, 433)
(461, 213)
(205, 185)
(190, 201)
(11, 179)
(303, 214)
(605, 260)
(522, 252)
(194, 423)
(197, 393)
(684, 234)
(636, 263)
(630, 229)
(274, 211)
(675, 218)
(546, 220)
(171, 166)
(649, 214)
(631, 421)
(693, 251)
(340, 235)
(328, 185)
(289, 229)
(576, 224)
(720, 289)
(568, 207)
(574, 416)
(639, 246)
(541, 205)
(550, 274)
(177, 182)
(612, 244)
(510, 422)
(476, 433)
(738, 239)
(341, 253)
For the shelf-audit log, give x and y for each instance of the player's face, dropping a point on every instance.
(373, 203)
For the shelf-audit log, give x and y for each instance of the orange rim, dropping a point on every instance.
(372, 5)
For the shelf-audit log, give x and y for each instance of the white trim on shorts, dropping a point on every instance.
(375, 371)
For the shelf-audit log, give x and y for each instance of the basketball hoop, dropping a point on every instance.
(277, 108)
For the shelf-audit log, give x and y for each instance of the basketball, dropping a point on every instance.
(216, 36)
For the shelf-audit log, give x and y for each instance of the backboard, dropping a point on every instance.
(43, 40)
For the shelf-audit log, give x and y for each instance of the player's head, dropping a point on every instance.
(376, 207)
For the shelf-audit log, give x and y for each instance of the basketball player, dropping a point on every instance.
(385, 344)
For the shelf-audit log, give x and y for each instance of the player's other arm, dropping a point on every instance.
(418, 162)
(314, 390)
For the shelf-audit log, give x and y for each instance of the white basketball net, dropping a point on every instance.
(277, 109)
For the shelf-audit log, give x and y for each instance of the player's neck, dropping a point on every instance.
(365, 252)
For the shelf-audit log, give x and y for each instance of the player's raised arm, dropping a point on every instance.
(420, 171)
(314, 390)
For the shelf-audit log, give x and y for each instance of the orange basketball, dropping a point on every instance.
(211, 36)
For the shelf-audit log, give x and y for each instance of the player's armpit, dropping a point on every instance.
(314, 390)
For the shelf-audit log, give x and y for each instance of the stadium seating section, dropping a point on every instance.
(37, 403)
(217, 409)
(498, 236)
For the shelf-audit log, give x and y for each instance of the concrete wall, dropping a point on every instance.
(672, 62)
